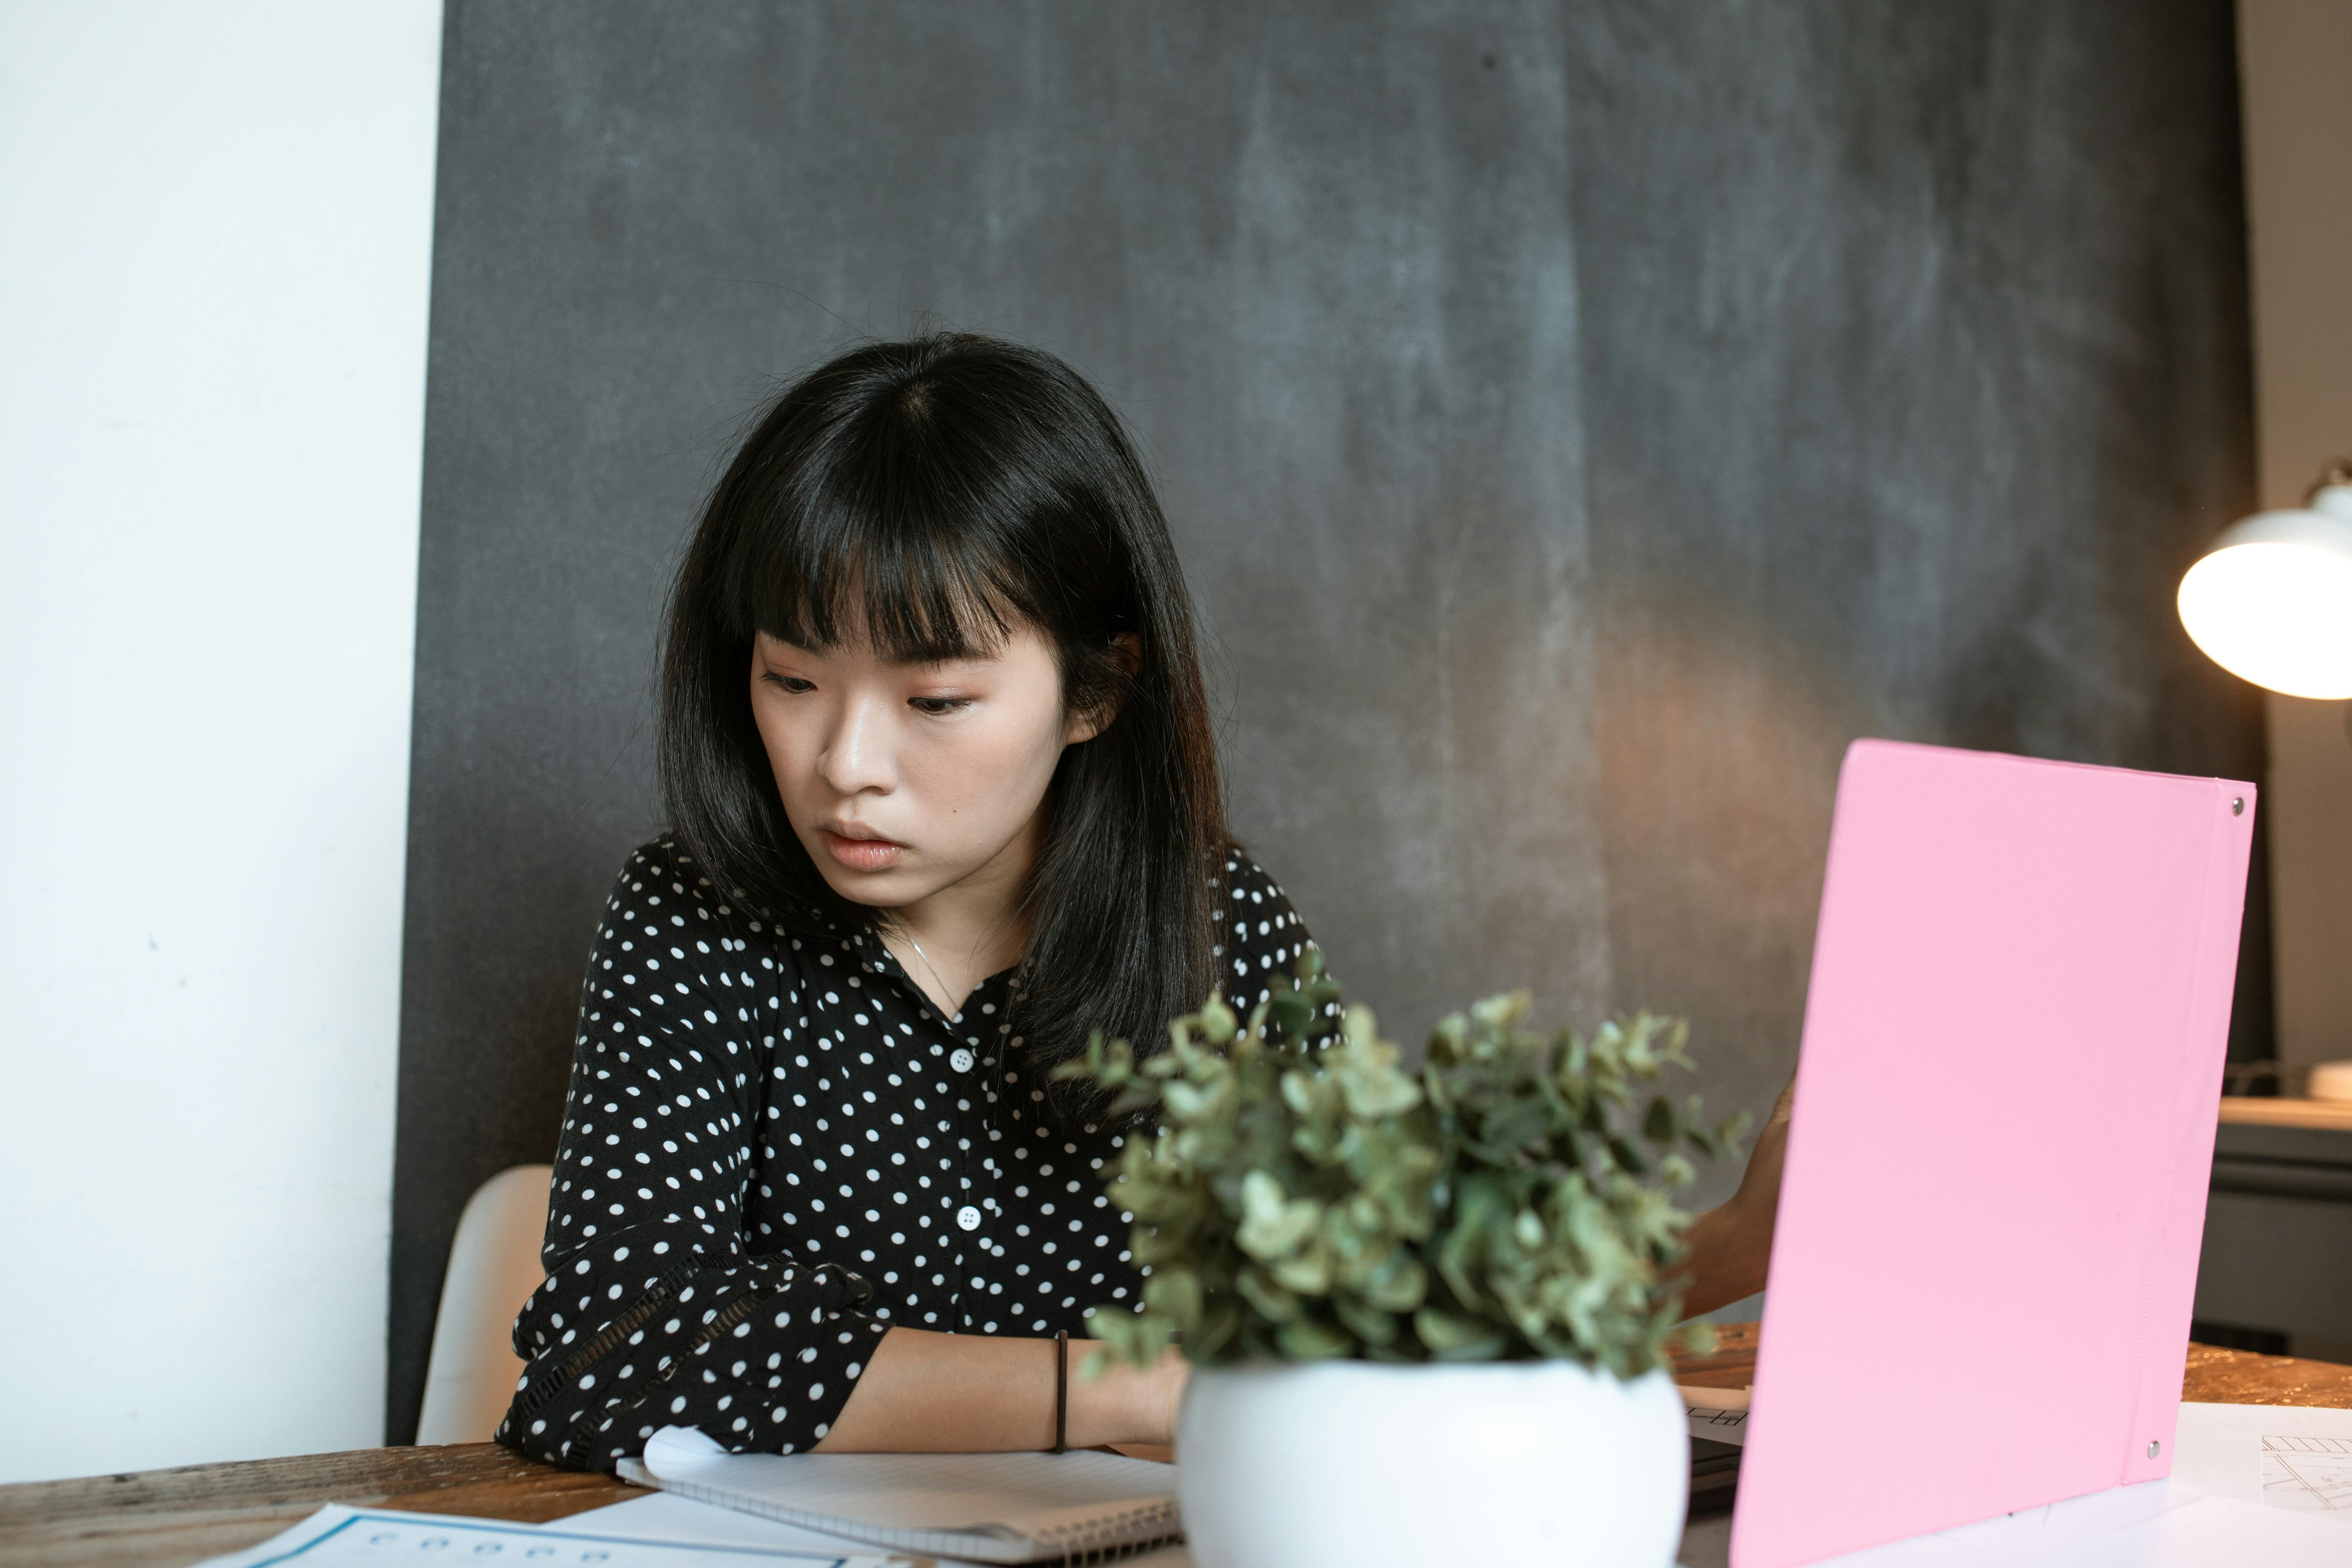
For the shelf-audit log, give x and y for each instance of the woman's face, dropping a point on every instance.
(903, 780)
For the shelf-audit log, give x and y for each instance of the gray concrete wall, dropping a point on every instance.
(1580, 422)
(2294, 58)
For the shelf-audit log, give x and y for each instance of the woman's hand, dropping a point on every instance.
(1731, 1246)
(1150, 1397)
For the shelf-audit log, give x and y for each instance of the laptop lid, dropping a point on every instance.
(2006, 1100)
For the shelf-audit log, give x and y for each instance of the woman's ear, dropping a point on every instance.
(1126, 658)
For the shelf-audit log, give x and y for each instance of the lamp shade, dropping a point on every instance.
(2271, 600)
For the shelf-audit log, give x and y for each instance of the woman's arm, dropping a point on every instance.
(924, 1393)
(1730, 1247)
(664, 1302)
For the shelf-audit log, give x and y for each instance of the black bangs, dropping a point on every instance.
(910, 558)
(923, 500)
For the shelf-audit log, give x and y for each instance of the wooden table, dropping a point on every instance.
(2213, 1376)
(167, 1519)
(2249, 1110)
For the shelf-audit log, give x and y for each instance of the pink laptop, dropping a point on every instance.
(2006, 1101)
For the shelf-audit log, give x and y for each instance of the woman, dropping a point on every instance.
(944, 798)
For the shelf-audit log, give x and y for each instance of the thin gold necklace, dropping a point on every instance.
(938, 979)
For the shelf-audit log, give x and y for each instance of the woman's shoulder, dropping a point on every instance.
(1248, 883)
(1260, 936)
(661, 890)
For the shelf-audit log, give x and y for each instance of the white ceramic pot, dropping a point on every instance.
(1354, 1463)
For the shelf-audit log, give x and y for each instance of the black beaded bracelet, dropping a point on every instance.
(1061, 1388)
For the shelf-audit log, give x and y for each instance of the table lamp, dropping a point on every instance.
(2271, 601)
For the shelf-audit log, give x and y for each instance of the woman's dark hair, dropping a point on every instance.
(919, 495)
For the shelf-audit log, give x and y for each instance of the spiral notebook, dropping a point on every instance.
(987, 1508)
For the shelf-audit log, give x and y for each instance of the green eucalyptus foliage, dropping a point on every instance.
(1305, 1197)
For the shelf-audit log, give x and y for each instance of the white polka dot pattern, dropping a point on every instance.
(774, 1149)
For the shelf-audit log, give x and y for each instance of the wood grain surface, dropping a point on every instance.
(1731, 1364)
(2246, 1111)
(169, 1518)
(2217, 1376)
(2213, 1375)
(166, 1519)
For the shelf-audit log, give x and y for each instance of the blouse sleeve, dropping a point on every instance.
(655, 1311)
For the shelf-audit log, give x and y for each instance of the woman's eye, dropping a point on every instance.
(938, 706)
(792, 683)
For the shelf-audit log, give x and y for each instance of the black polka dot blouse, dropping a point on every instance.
(774, 1149)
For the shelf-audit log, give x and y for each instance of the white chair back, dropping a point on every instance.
(493, 1269)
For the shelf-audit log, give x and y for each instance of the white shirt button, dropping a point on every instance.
(962, 1059)
(967, 1218)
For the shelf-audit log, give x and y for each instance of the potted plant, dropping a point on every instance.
(1427, 1313)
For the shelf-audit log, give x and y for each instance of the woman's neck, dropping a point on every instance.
(950, 941)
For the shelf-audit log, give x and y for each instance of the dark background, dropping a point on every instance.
(1580, 422)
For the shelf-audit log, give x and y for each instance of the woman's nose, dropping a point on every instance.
(857, 758)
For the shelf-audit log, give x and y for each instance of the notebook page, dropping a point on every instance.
(1040, 1498)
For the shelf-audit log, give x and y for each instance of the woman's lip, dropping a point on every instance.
(862, 854)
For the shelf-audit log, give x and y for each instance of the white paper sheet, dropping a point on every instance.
(1708, 1420)
(2314, 1474)
(2219, 1449)
(336, 1536)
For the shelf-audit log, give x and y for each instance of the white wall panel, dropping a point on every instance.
(212, 297)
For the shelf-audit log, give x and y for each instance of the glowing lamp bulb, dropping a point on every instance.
(2271, 600)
